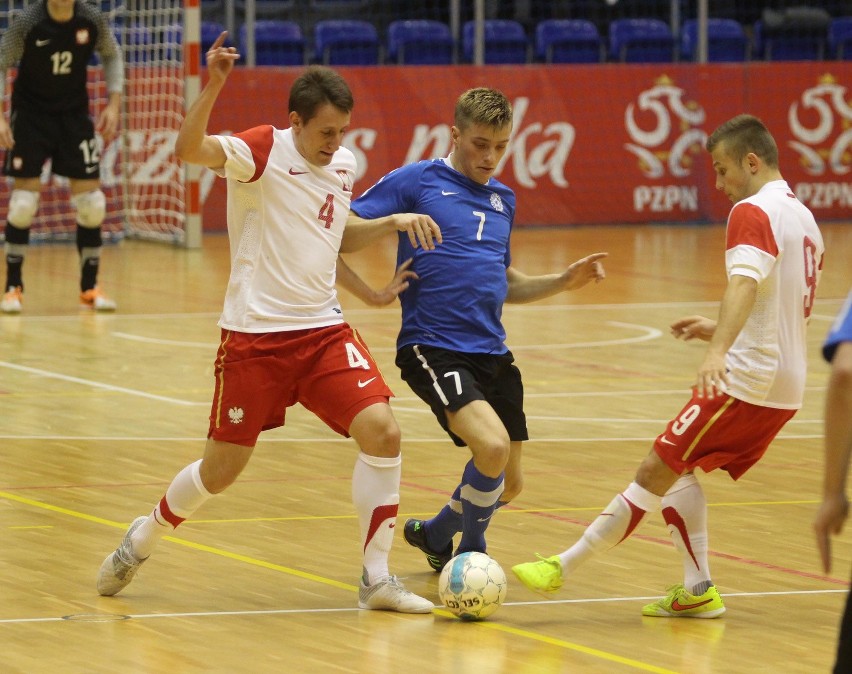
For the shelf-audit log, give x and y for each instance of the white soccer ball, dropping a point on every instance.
(472, 585)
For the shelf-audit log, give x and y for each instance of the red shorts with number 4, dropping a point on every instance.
(720, 432)
(259, 375)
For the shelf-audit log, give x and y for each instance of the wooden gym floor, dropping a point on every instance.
(98, 412)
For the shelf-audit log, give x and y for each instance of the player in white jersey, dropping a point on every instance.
(748, 386)
(284, 339)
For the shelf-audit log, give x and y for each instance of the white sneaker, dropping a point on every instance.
(120, 566)
(95, 299)
(390, 595)
(11, 302)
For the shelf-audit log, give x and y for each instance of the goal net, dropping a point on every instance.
(142, 180)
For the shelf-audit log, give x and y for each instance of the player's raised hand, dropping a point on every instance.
(220, 59)
(422, 230)
(589, 268)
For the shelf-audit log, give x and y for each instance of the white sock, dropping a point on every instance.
(685, 513)
(375, 493)
(621, 517)
(184, 496)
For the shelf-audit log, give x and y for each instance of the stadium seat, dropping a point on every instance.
(276, 43)
(840, 38)
(793, 34)
(420, 42)
(505, 41)
(346, 42)
(568, 41)
(640, 41)
(726, 41)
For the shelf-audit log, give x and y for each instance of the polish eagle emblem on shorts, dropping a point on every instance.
(236, 414)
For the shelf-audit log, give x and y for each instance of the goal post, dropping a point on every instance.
(150, 195)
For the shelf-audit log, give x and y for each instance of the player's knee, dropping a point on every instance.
(388, 436)
(491, 455)
(23, 205)
(90, 207)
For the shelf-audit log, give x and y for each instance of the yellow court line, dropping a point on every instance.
(611, 657)
(188, 544)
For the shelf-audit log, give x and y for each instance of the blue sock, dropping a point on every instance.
(479, 495)
(446, 524)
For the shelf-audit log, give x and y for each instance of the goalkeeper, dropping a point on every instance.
(52, 43)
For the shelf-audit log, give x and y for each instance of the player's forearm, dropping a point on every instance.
(360, 233)
(838, 422)
(736, 307)
(193, 130)
(524, 288)
(348, 279)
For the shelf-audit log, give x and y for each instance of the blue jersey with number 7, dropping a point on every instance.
(457, 302)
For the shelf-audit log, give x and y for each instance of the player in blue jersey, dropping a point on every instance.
(451, 348)
(838, 450)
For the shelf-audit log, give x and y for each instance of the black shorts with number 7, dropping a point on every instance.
(449, 380)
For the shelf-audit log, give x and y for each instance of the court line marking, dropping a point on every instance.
(603, 655)
(511, 308)
(96, 384)
(136, 438)
(649, 333)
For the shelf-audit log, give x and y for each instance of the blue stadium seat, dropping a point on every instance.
(726, 41)
(794, 34)
(420, 42)
(346, 42)
(640, 41)
(840, 38)
(505, 41)
(276, 43)
(568, 41)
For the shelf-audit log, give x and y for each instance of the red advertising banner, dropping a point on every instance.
(598, 144)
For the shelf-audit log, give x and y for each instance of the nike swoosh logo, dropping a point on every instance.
(297, 173)
(41, 43)
(446, 194)
(91, 169)
(677, 606)
(362, 384)
(668, 442)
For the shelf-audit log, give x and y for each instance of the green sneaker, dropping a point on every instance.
(544, 575)
(679, 603)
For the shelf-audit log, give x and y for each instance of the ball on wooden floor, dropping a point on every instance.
(472, 585)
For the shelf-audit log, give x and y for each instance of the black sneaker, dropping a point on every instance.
(415, 535)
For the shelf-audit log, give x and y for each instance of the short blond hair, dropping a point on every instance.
(743, 134)
(488, 107)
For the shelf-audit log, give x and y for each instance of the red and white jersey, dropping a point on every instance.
(773, 238)
(285, 223)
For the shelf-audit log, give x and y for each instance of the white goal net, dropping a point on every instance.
(140, 176)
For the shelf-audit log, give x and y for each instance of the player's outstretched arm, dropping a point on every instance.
(193, 145)
(348, 279)
(422, 230)
(523, 288)
(834, 508)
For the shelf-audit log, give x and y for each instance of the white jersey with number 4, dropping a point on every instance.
(773, 238)
(285, 223)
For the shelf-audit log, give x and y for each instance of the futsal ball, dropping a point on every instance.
(472, 585)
